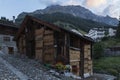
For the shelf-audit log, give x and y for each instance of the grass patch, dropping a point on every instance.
(110, 42)
(108, 65)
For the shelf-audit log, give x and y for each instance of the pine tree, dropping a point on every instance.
(118, 30)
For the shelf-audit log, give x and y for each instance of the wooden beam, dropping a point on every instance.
(8, 30)
(82, 59)
(68, 48)
(56, 45)
(52, 26)
(91, 51)
(43, 54)
(30, 39)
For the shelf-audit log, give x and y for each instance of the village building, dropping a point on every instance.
(7, 33)
(51, 44)
(112, 51)
(98, 33)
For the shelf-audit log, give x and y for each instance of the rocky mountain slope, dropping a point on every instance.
(70, 17)
(67, 21)
(76, 11)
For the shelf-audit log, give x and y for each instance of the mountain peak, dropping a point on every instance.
(54, 6)
(77, 11)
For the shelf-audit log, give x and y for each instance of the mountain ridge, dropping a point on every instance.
(78, 23)
(78, 11)
(67, 19)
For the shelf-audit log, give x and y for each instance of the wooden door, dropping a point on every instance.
(10, 50)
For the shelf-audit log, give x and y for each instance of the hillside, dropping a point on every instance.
(76, 22)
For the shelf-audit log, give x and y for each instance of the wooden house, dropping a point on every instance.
(51, 44)
(7, 34)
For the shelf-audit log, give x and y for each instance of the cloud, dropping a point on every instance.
(101, 7)
(50, 2)
(72, 2)
(95, 3)
(113, 9)
(104, 7)
(61, 2)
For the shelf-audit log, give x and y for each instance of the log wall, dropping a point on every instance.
(39, 43)
(87, 59)
(48, 42)
(22, 44)
(44, 45)
(75, 61)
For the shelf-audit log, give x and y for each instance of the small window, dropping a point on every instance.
(6, 38)
(74, 42)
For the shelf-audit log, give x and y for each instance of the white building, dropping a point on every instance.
(7, 33)
(112, 32)
(98, 33)
(7, 44)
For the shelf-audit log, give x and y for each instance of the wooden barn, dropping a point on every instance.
(51, 44)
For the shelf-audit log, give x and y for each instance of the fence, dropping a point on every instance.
(109, 52)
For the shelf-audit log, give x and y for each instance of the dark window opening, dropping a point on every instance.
(74, 42)
(6, 39)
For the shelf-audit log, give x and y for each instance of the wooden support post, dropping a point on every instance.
(30, 40)
(26, 39)
(81, 59)
(91, 52)
(43, 54)
(55, 46)
(68, 49)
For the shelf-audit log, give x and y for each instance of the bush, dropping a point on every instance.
(107, 65)
(60, 66)
(105, 38)
(112, 71)
(98, 50)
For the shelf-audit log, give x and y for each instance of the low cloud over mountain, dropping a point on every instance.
(96, 6)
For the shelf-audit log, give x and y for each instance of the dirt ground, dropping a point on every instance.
(101, 77)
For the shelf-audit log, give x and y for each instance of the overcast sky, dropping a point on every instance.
(9, 8)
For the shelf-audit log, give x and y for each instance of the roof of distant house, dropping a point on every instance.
(8, 23)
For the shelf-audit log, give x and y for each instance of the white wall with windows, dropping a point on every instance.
(7, 44)
(112, 32)
(98, 33)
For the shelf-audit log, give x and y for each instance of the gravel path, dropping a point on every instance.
(29, 68)
(17, 68)
(6, 73)
(14, 70)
